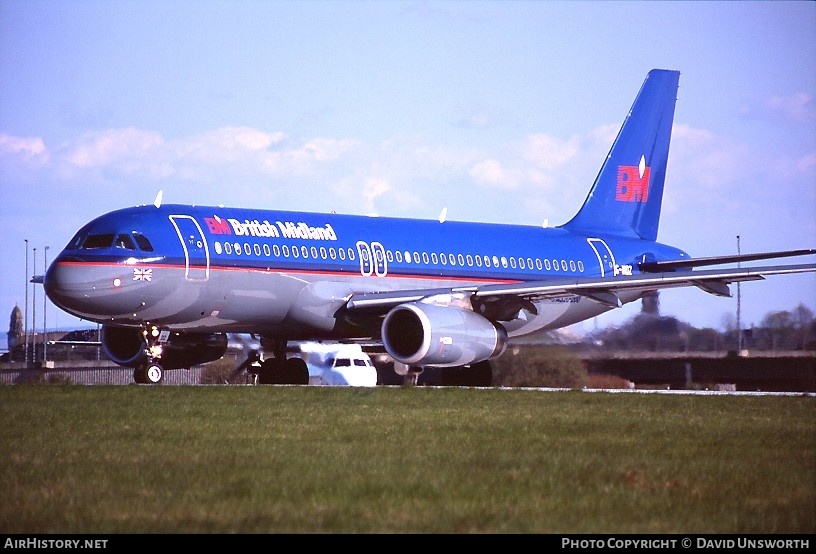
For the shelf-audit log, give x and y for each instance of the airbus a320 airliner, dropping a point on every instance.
(168, 282)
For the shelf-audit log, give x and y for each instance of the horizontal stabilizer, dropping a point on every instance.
(671, 265)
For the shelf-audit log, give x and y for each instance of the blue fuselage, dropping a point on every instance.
(287, 273)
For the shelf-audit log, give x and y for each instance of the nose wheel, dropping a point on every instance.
(151, 373)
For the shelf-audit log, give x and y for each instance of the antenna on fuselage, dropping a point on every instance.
(443, 215)
(157, 201)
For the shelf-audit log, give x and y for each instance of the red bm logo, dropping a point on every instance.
(218, 226)
(632, 186)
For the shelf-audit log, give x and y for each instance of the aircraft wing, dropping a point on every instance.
(603, 290)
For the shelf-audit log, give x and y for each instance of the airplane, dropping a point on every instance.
(168, 282)
(338, 364)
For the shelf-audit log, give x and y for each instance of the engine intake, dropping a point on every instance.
(433, 335)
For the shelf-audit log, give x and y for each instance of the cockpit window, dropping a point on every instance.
(143, 243)
(124, 241)
(98, 241)
(76, 242)
(82, 240)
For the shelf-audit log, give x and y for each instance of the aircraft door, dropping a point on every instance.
(366, 264)
(606, 260)
(380, 262)
(372, 259)
(196, 252)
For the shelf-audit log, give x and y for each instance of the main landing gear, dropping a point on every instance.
(281, 370)
(278, 370)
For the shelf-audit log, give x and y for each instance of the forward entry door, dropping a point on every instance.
(196, 252)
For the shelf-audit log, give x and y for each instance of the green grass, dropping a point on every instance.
(132, 459)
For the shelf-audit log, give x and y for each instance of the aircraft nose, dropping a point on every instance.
(58, 286)
(69, 287)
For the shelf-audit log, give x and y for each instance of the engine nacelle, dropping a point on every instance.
(432, 335)
(126, 346)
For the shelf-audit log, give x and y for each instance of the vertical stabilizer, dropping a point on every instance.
(628, 191)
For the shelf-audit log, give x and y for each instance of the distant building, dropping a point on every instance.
(15, 332)
(650, 304)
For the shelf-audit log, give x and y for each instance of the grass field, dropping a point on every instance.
(216, 459)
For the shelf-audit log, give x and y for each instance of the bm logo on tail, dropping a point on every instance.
(633, 182)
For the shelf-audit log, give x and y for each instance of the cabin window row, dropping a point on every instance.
(461, 260)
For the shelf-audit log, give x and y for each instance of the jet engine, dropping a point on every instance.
(127, 347)
(433, 335)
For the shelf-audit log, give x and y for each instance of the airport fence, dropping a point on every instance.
(92, 374)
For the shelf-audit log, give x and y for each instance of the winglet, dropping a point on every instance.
(157, 202)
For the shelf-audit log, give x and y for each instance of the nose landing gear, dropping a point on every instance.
(151, 372)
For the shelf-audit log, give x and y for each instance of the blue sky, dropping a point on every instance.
(499, 111)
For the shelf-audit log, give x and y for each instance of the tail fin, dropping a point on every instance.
(628, 191)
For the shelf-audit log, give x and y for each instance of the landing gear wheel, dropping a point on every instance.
(269, 374)
(154, 373)
(296, 372)
(139, 375)
(149, 374)
(292, 371)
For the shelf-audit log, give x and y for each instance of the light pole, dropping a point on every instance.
(45, 304)
(739, 305)
(34, 312)
(26, 306)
